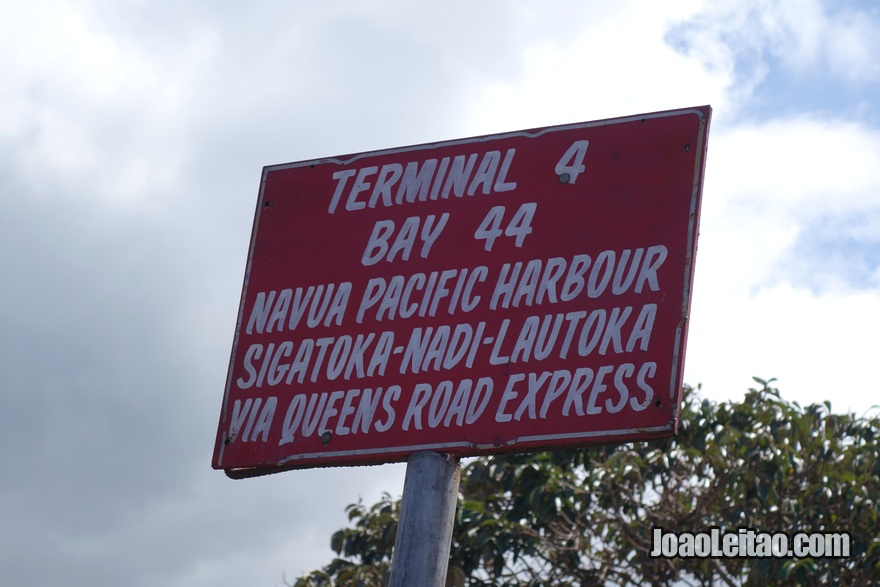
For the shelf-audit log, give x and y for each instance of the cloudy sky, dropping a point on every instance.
(132, 137)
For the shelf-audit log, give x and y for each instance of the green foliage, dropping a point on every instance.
(584, 517)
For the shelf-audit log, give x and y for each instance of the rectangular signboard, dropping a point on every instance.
(502, 293)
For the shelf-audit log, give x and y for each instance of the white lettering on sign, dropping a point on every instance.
(362, 410)
(572, 163)
(378, 246)
(420, 294)
(364, 355)
(519, 226)
(273, 311)
(529, 283)
(539, 337)
(444, 347)
(395, 184)
(256, 428)
(586, 391)
(526, 298)
(443, 405)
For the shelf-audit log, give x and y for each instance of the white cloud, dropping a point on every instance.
(810, 37)
(853, 43)
(768, 184)
(765, 303)
(818, 346)
(617, 64)
(89, 107)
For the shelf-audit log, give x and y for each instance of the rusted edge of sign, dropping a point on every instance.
(469, 449)
(701, 111)
(470, 446)
(241, 308)
(677, 376)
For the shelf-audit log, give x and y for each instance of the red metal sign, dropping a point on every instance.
(502, 293)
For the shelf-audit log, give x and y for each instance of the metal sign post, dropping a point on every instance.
(427, 516)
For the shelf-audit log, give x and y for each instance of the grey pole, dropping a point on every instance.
(427, 515)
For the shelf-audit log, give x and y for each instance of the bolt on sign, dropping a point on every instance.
(511, 292)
